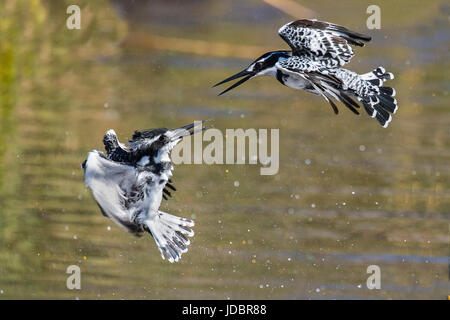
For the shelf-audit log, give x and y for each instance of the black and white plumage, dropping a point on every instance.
(314, 64)
(130, 183)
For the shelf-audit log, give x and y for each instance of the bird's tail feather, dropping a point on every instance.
(383, 103)
(170, 233)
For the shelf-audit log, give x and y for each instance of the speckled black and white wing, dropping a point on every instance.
(115, 150)
(323, 41)
(301, 64)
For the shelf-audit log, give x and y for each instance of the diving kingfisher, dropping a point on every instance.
(318, 51)
(129, 184)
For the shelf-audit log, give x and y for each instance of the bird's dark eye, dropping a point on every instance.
(163, 139)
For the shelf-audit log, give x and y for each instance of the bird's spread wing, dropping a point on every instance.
(321, 82)
(113, 186)
(322, 41)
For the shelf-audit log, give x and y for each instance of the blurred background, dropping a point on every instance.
(348, 194)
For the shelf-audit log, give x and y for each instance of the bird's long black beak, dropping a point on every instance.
(186, 130)
(244, 73)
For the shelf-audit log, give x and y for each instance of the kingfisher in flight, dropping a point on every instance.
(129, 184)
(314, 64)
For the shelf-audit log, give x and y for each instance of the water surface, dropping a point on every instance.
(348, 194)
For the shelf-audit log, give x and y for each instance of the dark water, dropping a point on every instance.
(348, 194)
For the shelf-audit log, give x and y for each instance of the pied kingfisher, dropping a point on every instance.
(319, 50)
(129, 184)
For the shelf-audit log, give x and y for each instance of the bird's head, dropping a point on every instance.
(263, 66)
(154, 146)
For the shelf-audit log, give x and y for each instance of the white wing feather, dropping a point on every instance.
(105, 179)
